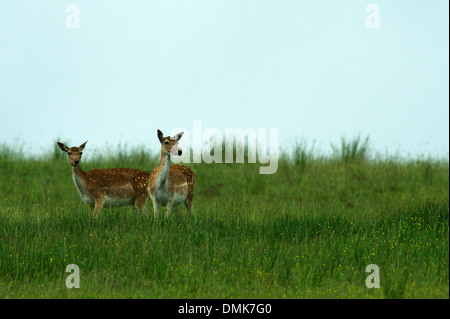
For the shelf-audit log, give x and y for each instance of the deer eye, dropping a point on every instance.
(167, 143)
(68, 153)
(81, 153)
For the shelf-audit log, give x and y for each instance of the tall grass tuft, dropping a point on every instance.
(303, 155)
(354, 150)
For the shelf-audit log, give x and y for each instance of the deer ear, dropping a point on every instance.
(82, 145)
(178, 136)
(63, 147)
(160, 135)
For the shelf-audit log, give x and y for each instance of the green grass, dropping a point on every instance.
(308, 231)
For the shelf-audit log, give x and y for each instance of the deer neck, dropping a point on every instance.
(164, 169)
(79, 177)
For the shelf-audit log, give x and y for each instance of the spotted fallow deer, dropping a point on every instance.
(107, 187)
(171, 185)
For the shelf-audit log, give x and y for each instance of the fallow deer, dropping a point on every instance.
(107, 187)
(171, 185)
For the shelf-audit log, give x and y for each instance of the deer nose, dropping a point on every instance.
(179, 152)
(76, 162)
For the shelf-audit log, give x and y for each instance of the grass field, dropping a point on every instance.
(308, 231)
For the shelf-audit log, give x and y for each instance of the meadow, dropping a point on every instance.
(307, 231)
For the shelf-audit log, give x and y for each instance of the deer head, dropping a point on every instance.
(169, 145)
(74, 153)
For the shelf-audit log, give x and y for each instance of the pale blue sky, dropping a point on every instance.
(310, 68)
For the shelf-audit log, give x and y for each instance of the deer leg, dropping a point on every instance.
(155, 207)
(169, 206)
(189, 200)
(98, 206)
(140, 204)
(175, 210)
(91, 207)
(188, 206)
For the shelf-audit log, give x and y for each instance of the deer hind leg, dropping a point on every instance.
(189, 200)
(140, 204)
(188, 204)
